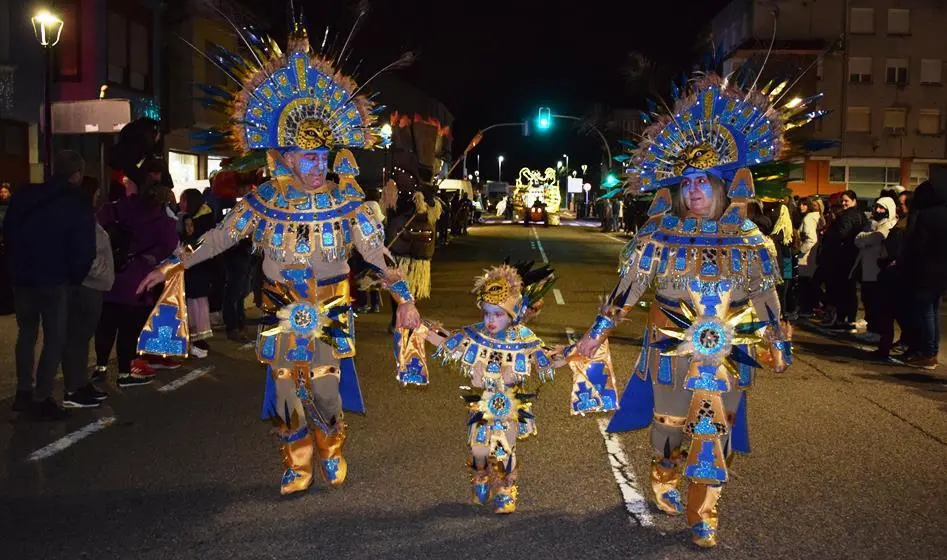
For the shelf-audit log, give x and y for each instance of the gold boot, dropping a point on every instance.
(332, 463)
(480, 481)
(297, 458)
(702, 513)
(665, 480)
(505, 491)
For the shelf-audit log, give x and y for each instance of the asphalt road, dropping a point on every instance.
(848, 457)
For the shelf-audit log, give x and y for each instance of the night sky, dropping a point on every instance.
(496, 61)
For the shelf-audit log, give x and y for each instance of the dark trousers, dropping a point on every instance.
(872, 297)
(925, 313)
(32, 305)
(119, 326)
(85, 308)
(237, 266)
(810, 293)
(843, 294)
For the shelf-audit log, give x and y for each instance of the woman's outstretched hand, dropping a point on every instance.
(154, 278)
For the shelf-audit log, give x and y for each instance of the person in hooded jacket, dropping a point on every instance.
(197, 218)
(809, 290)
(870, 243)
(891, 305)
(142, 235)
(925, 269)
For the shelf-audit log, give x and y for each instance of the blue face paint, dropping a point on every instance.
(307, 166)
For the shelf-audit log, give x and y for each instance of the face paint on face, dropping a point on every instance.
(697, 193)
(312, 166)
(495, 319)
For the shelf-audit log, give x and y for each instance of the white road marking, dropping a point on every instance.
(558, 295)
(248, 345)
(618, 239)
(635, 503)
(539, 245)
(181, 381)
(71, 438)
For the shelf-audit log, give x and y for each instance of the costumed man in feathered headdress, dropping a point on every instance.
(500, 355)
(715, 316)
(301, 111)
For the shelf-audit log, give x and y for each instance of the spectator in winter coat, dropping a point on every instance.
(84, 309)
(809, 237)
(838, 256)
(925, 268)
(49, 233)
(142, 235)
(892, 305)
(870, 243)
(197, 219)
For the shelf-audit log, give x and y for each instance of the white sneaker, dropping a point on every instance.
(198, 352)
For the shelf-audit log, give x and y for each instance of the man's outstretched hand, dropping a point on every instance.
(407, 316)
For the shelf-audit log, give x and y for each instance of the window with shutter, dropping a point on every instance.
(859, 69)
(862, 20)
(928, 121)
(931, 70)
(859, 119)
(117, 47)
(895, 119)
(899, 21)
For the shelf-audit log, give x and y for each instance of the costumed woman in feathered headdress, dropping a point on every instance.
(298, 109)
(715, 316)
(500, 355)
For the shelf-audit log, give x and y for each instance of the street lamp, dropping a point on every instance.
(47, 28)
(567, 160)
(499, 169)
(559, 164)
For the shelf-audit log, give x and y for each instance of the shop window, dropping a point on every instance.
(837, 173)
(183, 167)
(797, 172)
(129, 45)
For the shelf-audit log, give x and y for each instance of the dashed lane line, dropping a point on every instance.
(183, 380)
(635, 503)
(558, 295)
(618, 239)
(71, 438)
(539, 245)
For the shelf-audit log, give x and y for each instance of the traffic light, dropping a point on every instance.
(544, 121)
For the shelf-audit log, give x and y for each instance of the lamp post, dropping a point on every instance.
(499, 169)
(47, 28)
(567, 160)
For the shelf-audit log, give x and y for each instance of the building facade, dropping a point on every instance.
(880, 64)
(115, 44)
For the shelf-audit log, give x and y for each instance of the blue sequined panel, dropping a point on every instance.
(690, 225)
(302, 245)
(301, 352)
(299, 279)
(748, 225)
(598, 377)
(346, 231)
(736, 260)
(707, 380)
(305, 205)
(343, 345)
(541, 359)
(705, 468)
(260, 231)
(648, 228)
(708, 226)
(365, 225)
(277, 239)
(470, 356)
(337, 196)
(740, 190)
(323, 201)
(452, 342)
(705, 427)
(481, 433)
(680, 260)
(709, 269)
(519, 364)
(766, 262)
(244, 220)
(328, 238)
(646, 257)
(665, 374)
(266, 191)
(413, 373)
(669, 221)
(659, 205)
(268, 347)
(732, 217)
(163, 339)
(663, 263)
(584, 400)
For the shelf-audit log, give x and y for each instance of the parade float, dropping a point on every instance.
(532, 186)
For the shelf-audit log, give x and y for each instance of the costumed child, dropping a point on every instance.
(500, 356)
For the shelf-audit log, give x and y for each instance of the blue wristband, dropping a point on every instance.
(785, 347)
(401, 292)
(601, 326)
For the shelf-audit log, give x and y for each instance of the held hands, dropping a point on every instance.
(154, 278)
(407, 316)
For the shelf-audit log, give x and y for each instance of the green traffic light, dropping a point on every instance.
(544, 120)
(611, 180)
